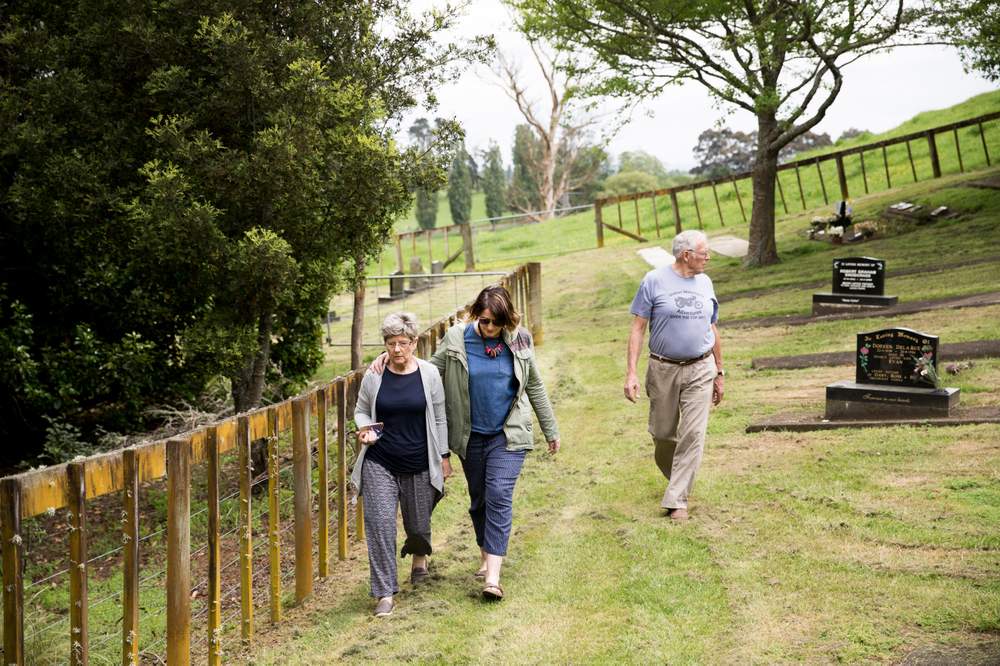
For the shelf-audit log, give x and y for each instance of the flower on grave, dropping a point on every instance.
(924, 370)
(835, 231)
(863, 350)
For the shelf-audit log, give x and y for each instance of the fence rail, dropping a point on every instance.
(930, 136)
(198, 456)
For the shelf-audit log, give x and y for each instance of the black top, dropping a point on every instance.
(401, 406)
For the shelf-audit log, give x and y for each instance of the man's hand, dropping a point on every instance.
(632, 387)
(717, 390)
(554, 445)
(446, 467)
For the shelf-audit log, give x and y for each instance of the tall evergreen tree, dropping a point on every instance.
(494, 182)
(460, 187)
(427, 208)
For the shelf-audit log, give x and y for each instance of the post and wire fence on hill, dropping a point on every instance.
(802, 184)
(181, 547)
(456, 244)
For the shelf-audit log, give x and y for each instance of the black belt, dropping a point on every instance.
(675, 361)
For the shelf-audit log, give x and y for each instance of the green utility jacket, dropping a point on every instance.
(451, 360)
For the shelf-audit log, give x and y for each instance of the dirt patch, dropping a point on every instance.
(973, 301)
(817, 284)
(804, 422)
(983, 652)
(991, 183)
(957, 351)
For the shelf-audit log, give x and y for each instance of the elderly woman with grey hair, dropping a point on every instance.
(404, 458)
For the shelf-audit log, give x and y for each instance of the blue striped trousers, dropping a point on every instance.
(491, 472)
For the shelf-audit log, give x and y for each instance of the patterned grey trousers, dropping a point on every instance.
(381, 492)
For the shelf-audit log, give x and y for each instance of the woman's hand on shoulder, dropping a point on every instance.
(379, 363)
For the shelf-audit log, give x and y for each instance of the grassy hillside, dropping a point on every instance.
(409, 223)
(846, 546)
(576, 232)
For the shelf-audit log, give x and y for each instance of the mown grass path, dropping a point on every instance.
(850, 545)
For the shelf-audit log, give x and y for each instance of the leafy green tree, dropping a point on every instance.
(184, 185)
(422, 135)
(460, 187)
(974, 25)
(523, 191)
(781, 61)
(494, 182)
(640, 160)
(627, 182)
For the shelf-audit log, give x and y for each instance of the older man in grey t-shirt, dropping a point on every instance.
(685, 373)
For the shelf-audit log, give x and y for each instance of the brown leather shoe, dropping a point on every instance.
(492, 592)
(419, 575)
(677, 514)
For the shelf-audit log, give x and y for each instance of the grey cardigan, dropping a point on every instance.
(437, 424)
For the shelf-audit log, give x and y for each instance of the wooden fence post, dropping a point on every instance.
(864, 174)
(245, 528)
(13, 572)
(656, 216)
(353, 384)
(697, 209)
(470, 259)
(841, 177)
(718, 207)
(958, 150)
(399, 253)
(677, 212)
(599, 223)
(340, 395)
(302, 483)
(619, 205)
(739, 199)
(77, 507)
(982, 137)
(885, 163)
(822, 183)
(913, 167)
(322, 454)
(214, 550)
(798, 179)
(130, 553)
(781, 191)
(535, 301)
(178, 552)
(932, 147)
(274, 514)
(638, 226)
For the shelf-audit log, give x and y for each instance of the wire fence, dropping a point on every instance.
(180, 549)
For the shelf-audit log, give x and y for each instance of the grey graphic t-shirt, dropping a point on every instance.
(680, 311)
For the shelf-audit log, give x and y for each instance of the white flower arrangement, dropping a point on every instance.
(835, 231)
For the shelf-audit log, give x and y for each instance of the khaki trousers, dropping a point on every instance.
(680, 397)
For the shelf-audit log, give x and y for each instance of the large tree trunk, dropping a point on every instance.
(248, 388)
(358, 318)
(763, 251)
(248, 385)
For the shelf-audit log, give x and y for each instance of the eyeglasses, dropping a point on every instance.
(402, 344)
(486, 321)
(700, 254)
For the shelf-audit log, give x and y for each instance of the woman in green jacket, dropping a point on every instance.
(491, 387)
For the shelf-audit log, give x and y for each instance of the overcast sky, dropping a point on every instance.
(879, 93)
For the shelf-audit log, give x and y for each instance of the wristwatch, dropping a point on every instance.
(720, 373)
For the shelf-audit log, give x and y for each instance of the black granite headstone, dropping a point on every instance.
(859, 275)
(893, 379)
(890, 357)
(858, 284)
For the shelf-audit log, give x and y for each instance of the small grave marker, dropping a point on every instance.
(858, 284)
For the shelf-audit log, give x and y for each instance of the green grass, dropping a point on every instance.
(853, 546)
(409, 223)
